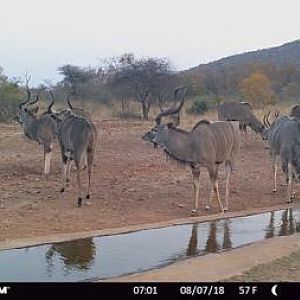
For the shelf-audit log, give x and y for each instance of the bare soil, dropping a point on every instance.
(132, 183)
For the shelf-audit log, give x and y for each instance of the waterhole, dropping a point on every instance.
(110, 256)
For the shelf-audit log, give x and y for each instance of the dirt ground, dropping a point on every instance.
(131, 184)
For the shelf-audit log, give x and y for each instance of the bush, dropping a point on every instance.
(199, 107)
(9, 98)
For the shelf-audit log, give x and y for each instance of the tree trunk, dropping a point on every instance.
(145, 110)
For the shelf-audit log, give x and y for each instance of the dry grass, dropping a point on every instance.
(113, 111)
(283, 269)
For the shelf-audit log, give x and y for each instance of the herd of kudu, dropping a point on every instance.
(74, 130)
(207, 145)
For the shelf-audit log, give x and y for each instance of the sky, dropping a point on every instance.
(38, 36)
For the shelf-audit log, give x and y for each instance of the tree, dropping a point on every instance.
(257, 89)
(77, 79)
(9, 97)
(142, 79)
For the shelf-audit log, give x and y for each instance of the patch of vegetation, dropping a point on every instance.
(283, 269)
(199, 106)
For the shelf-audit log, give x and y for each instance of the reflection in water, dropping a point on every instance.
(211, 244)
(77, 254)
(109, 256)
(227, 244)
(192, 248)
(270, 231)
(286, 225)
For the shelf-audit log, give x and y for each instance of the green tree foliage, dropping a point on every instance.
(9, 96)
(199, 106)
(77, 80)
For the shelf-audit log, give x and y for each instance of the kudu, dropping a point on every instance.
(171, 113)
(207, 145)
(174, 111)
(77, 137)
(295, 111)
(42, 128)
(283, 135)
(79, 111)
(241, 112)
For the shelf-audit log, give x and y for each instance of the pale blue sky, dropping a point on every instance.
(39, 36)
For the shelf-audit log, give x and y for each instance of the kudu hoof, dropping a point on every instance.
(79, 204)
(88, 196)
(274, 191)
(62, 190)
(225, 209)
(207, 207)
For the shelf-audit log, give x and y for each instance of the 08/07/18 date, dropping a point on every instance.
(201, 290)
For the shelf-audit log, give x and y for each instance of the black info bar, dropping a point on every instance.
(153, 290)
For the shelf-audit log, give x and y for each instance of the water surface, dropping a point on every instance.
(116, 255)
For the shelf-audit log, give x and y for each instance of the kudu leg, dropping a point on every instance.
(290, 185)
(215, 187)
(66, 175)
(85, 162)
(89, 166)
(196, 185)
(228, 170)
(47, 159)
(274, 166)
(79, 203)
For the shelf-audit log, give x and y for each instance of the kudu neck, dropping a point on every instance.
(177, 144)
(30, 127)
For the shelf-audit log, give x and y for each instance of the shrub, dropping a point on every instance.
(199, 107)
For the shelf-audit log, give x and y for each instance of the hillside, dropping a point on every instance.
(287, 54)
(272, 74)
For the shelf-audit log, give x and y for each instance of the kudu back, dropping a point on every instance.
(77, 137)
(284, 139)
(241, 112)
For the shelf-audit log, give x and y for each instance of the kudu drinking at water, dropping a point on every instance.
(207, 145)
(42, 128)
(241, 112)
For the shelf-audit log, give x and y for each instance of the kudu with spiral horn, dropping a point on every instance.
(283, 135)
(206, 145)
(42, 129)
(77, 137)
(173, 112)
